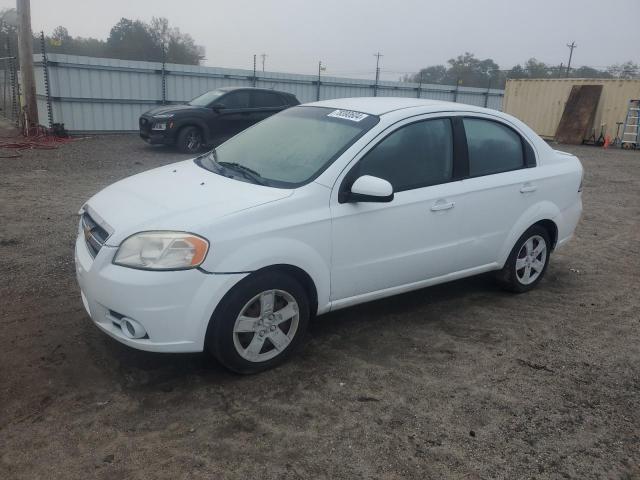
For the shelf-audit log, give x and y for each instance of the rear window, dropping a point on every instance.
(267, 99)
(493, 147)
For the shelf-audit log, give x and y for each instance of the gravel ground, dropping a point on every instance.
(456, 381)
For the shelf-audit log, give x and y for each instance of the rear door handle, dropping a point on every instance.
(442, 205)
(528, 188)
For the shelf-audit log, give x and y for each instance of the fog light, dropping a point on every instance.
(131, 328)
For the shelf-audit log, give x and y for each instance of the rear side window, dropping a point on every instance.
(266, 99)
(239, 99)
(493, 147)
(413, 156)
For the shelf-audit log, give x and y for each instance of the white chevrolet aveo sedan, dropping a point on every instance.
(317, 208)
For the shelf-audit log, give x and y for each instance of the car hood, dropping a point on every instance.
(167, 109)
(181, 196)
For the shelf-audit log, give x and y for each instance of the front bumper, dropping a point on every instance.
(173, 307)
(154, 138)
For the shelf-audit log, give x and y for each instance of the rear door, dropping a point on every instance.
(499, 188)
(264, 104)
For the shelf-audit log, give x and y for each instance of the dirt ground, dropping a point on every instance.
(456, 381)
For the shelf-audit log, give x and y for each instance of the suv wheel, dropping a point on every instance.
(527, 262)
(260, 323)
(190, 140)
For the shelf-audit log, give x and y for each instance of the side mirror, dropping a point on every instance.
(369, 189)
(216, 107)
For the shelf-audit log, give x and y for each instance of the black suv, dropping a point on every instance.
(212, 117)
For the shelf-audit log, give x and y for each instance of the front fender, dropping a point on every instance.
(544, 210)
(261, 253)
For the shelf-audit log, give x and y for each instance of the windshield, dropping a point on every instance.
(292, 147)
(206, 98)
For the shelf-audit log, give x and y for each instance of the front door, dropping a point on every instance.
(416, 236)
(234, 117)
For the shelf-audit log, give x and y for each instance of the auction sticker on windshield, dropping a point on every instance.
(348, 115)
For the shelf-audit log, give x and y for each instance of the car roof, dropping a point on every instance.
(230, 89)
(383, 105)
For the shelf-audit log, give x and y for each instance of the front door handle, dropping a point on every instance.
(442, 205)
(528, 188)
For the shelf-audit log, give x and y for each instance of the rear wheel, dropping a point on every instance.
(260, 323)
(527, 262)
(190, 140)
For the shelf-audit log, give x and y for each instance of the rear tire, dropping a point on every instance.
(259, 323)
(190, 140)
(527, 262)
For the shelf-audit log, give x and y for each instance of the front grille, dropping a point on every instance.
(94, 234)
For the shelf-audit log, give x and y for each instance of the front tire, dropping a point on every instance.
(527, 262)
(259, 323)
(190, 140)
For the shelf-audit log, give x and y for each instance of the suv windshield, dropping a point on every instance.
(206, 98)
(292, 147)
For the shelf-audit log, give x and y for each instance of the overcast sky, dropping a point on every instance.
(345, 34)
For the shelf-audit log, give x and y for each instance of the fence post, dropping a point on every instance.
(255, 80)
(47, 88)
(163, 73)
(319, 70)
(486, 95)
(15, 91)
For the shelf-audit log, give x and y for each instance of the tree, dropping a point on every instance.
(129, 40)
(178, 47)
(467, 69)
(8, 32)
(433, 74)
(624, 70)
(589, 72)
(470, 71)
(132, 40)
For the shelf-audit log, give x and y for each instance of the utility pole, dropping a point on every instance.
(25, 54)
(571, 46)
(375, 87)
(320, 69)
(420, 86)
(264, 57)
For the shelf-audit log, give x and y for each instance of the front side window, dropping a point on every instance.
(413, 156)
(292, 147)
(239, 99)
(493, 147)
(206, 98)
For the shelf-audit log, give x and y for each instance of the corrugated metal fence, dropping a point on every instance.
(103, 94)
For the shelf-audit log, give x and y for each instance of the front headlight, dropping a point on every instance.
(159, 126)
(162, 251)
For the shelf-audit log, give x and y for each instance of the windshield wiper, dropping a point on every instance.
(246, 171)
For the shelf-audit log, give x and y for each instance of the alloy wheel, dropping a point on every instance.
(266, 325)
(194, 141)
(531, 260)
